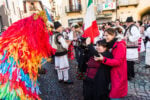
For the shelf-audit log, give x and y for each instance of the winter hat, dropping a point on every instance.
(130, 19)
(57, 24)
(74, 24)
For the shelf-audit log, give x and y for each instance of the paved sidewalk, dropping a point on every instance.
(139, 88)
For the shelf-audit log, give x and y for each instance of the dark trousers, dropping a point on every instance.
(53, 59)
(77, 53)
(130, 66)
(102, 97)
(89, 91)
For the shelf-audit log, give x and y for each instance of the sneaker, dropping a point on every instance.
(68, 82)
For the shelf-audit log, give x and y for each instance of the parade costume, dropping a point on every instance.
(133, 34)
(61, 57)
(147, 57)
(22, 47)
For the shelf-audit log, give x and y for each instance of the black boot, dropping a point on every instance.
(42, 71)
(147, 66)
(60, 81)
(68, 82)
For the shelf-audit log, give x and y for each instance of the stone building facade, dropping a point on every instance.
(73, 11)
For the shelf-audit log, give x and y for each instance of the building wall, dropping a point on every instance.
(135, 11)
(122, 12)
(125, 12)
(4, 16)
(64, 17)
(13, 10)
(9, 12)
(143, 7)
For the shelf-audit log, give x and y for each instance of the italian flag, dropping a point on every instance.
(90, 24)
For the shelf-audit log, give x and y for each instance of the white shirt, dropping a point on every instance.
(147, 33)
(101, 33)
(63, 42)
(135, 34)
(70, 35)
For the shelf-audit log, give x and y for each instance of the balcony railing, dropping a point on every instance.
(73, 8)
(128, 2)
(108, 15)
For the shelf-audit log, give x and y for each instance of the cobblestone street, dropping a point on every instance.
(138, 88)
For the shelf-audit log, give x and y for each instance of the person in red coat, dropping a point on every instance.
(119, 85)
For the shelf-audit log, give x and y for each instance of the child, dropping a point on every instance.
(96, 84)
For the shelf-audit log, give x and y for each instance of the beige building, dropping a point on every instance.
(73, 11)
(139, 9)
(70, 11)
(9, 12)
(13, 10)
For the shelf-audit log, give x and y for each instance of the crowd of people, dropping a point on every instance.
(106, 65)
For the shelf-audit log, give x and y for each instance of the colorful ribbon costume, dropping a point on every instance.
(22, 47)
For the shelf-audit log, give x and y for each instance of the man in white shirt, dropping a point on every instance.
(76, 36)
(61, 58)
(131, 35)
(147, 57)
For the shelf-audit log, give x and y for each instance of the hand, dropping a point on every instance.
(68, 42)
(49, 59)
(75, 39)
(88, 41)
(101, 58)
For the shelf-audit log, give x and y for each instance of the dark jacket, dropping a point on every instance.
(98, 78)
(83, 58)
(100, 75)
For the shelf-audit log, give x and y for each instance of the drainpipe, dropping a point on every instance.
(116, 9)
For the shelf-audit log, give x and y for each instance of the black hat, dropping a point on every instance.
(76, 26)
(109, 23)
(130, 19)
(57, 24)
